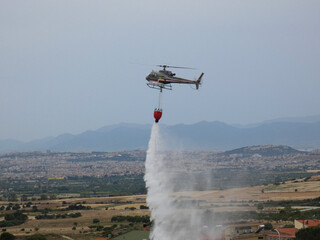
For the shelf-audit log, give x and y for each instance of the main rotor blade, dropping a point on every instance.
(168, 66)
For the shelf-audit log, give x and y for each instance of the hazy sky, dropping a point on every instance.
(65, 65)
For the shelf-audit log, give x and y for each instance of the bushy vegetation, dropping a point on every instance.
(311, 233)
(306, 202)
(7, 236)
(268, 226)
(58, 216)
(78, 207)
(133, 219)
(144, 207)
(108, 230)
(95, 220)
(13, 219)
(287, 214)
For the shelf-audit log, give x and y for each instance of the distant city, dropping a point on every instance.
(35, 165)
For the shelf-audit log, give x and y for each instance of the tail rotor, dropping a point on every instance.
(198, 82)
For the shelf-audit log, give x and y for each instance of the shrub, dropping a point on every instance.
(99, 228)
(95, 220)
(144, 207)
(36, 237)
(13, 219)
(134, 219)
(311, 233)
(268, 226)
(78, 207)
(7, 236)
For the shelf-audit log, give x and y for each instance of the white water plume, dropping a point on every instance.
(174, 216)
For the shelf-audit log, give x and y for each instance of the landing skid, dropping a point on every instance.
(160, 87)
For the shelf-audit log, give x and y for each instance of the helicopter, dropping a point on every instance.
(162, 79)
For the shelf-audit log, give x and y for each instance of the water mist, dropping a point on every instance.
(174, 217)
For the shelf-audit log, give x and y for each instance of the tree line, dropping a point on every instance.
(132, 219)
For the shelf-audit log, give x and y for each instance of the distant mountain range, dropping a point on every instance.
(213, 136)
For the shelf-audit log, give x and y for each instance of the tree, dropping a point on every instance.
(99, 228)
(95, 220)
(16, 207)
(260, 206)
(268, 226)
(311, 233)
(144, 207)
(7, 236)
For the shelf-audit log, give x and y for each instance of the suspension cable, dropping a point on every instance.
(159, 100)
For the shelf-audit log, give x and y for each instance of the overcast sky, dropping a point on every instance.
(66, 65)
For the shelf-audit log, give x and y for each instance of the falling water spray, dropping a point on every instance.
(174, 217)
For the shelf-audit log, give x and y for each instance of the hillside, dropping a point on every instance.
(266, 150)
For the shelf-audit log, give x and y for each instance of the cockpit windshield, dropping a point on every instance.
(152, 75)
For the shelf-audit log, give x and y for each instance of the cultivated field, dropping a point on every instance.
(290, 190)
(104, 208)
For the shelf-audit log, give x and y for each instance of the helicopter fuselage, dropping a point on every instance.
(164, 78)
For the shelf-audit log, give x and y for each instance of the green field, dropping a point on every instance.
(134, 235)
